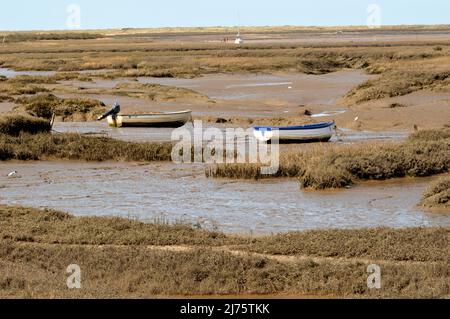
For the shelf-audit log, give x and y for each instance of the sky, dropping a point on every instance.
(102, 14)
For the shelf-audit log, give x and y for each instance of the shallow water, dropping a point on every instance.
(174, 193)
(9, 73)
(328, 113)
(164, 134)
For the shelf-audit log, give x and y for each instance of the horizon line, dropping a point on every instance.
(228, 26)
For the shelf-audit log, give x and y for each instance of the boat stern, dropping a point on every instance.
(114, 121)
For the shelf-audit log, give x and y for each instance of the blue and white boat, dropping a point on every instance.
(320, 132)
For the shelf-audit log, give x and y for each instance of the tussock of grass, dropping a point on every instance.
(402, 80)
(62, 228)
(45, 105)
(437, 194)
(6, 98)
(38, 36)
(117, 259)
(48, 79)
(78, 147)
(423, 154)
(396, 105)
(429, 244)
(15, 124)
(156, 92)
(429, 135)
(14, 88)
(30, 85)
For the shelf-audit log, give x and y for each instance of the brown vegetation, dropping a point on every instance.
(125, 259)
(26, 36)
(398, 79)
(168, 59)
(15, 124)
(29, 85)
(11, 88)
(46, 105)
(437, 194)
(79, 147)
(327, 166)
(154, 92)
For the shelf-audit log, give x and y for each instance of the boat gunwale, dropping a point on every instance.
(156, 114)
(297, 128)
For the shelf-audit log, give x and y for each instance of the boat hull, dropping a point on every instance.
(172, 120)
(321, 132)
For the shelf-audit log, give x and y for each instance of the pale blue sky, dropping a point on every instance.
(51, 14)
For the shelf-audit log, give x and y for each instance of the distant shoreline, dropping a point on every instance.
(249, 28)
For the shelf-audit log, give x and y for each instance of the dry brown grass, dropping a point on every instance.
(154, 92)
(118, 259)
(429, 244)
(27, 36)
(32, 271)
(437, 194)
(48, 79)
(15, 88)
(398, 79)
(26, 85)
(327, 166)
(31, 225)
(78, 147)
(15, 124)
(45, 105)
(168, 59)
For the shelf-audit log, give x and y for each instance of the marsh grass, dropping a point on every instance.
(48, 79)
(399, 79)
(16, 88)
(62, 228)
(15, 124)
(328, 166)
(79, 147)
(162, 59)
(156, 92)
(11, 37)
(118, 258)
(45, 105)
(437, 195)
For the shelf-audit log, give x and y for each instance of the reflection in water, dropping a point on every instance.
(165, 190)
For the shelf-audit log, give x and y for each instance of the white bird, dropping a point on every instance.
(356, 118)
(289, 87)
(13, 173)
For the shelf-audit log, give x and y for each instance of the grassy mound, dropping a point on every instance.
(78, 147)
(15, 124)
(45, 105)
(15, 88)
(438, 194)
(398, 80)
(326, 166)
(156, 92)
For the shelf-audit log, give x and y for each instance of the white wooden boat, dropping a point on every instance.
(163, 119)
(320, 132)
